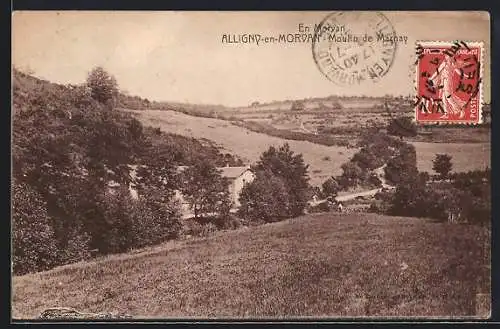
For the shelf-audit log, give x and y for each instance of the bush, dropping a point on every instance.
(352, 175)
(373, 180)
(226, 222)
(194, 228)
(77, 246)
(33, 239)
(208, 229)
(402, 127)
(154, 221)
(117, 234)
(330, 187)
(367, 160)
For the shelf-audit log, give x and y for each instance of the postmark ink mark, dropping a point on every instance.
(362, 52)
(448, 82)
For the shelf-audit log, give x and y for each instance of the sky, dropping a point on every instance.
(180, 56)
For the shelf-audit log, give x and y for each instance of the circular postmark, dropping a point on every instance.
(351, 48)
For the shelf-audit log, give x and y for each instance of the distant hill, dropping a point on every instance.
(317, 103)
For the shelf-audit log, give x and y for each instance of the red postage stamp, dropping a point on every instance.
(449, 82)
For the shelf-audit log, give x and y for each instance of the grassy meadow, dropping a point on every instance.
(247, 144)
(466, 156)
(324, 161)
(324, 265)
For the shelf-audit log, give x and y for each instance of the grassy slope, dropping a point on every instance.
(245, 143)
(249, 145)
(319, 265)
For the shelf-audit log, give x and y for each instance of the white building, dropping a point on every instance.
(238, 177)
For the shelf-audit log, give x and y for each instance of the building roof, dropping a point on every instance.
(232, 172)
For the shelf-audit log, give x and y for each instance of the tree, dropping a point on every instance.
(205, 189)
(412, 198)
(403, 166)
(291, 168)
(366, 159)
(103, 86)
(330, 187)
(155, 219)
(402, 127)
(265, 198)
(352, 175)
(442, 165)
(476, 190)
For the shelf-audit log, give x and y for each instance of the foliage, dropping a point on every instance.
(476, 199)
(33, 241)
(330, 187)
(376, 150)
(185, 150)
(103, 86)
(324, 136)
(155, 220)
(67, 149)
(403, 166)
(265, 198)
(77, 245)
(133, 102)
(291, 168)
(367, 159)
(352, 175)
(467, 198)
(424, 176)
(402, 127)
(194, 228)
(298, 106)
(379, 207)
(116, 234)
(412, 198)
(205, 189)
(442, 165)
(227, 222)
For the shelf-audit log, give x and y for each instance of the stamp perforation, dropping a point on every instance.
(455, 122)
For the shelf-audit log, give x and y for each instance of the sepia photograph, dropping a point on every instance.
(250, 165)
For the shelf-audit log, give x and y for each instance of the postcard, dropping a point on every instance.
(250, 165)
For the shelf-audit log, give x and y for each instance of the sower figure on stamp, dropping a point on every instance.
(442, 80)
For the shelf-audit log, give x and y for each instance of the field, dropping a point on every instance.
(332, 118)
(324, 265)
(245, 143)
(466, 156)
(324, 161)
